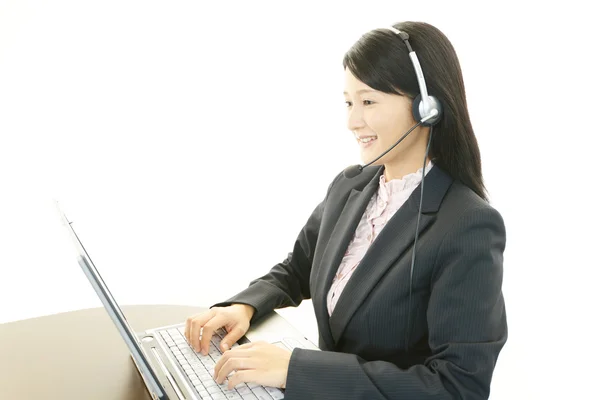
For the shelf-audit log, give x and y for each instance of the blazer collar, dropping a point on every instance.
(394, 240)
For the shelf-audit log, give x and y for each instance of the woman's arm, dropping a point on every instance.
(287, 283)
(467, 329)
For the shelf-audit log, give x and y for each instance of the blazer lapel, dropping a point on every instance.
(340, 237)
(393, 241)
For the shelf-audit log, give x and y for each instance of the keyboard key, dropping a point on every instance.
(261, 393)
(221, 332)
(210, 383)
(214, 389)
(199, 370)
(224, 387)
(274, 392)
(243, 389)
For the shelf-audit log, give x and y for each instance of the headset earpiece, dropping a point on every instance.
(418, 109)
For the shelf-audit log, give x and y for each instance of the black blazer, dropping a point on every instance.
(457, 323)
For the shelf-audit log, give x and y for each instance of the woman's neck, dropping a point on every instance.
(400, 170)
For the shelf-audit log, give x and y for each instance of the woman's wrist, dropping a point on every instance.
(248, 308)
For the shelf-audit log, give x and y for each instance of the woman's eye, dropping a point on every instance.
(366, 102)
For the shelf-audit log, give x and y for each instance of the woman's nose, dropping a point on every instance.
(355, 119)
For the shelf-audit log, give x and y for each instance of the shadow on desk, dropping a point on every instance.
(77, 355)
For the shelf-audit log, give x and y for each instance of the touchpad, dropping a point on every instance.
(289, 343)
(292, 343)
(282, 345)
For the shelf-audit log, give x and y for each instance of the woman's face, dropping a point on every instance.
(378, 120)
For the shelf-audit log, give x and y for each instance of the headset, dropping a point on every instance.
(424, 105)
(427, 110)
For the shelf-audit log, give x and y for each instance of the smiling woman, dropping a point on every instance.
(390, 327)
(381, 85)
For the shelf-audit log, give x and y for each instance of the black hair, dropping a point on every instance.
(380, 60)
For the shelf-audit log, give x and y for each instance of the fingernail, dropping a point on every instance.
(225, 346)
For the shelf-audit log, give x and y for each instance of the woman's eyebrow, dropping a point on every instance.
(362, 91)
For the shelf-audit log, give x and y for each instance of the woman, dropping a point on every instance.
(390, 327)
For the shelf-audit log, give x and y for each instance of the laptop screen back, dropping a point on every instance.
(114, 311)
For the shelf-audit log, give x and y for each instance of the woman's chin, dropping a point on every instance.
(368, 155)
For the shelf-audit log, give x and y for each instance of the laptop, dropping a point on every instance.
(170, 368)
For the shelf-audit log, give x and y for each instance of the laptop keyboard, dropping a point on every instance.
(200, 370)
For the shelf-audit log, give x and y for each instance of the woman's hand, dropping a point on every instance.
(261, 363)
(235, 319)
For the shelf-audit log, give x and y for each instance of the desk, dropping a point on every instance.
(77, 355)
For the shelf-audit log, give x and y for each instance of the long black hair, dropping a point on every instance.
(380, 60)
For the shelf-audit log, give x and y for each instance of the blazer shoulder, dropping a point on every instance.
(462, 202)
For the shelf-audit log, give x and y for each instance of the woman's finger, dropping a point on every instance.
(198, 324)
(202, 318)
(234, 364)
(246, 375)
(235, 353)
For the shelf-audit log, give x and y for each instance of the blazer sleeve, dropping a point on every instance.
(287, 283)
(467, 329)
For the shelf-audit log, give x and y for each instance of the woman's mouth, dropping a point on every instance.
(366, 141)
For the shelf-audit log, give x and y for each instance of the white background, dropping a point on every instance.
(189, 142)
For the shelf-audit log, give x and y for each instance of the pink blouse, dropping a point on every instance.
(389, 197)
